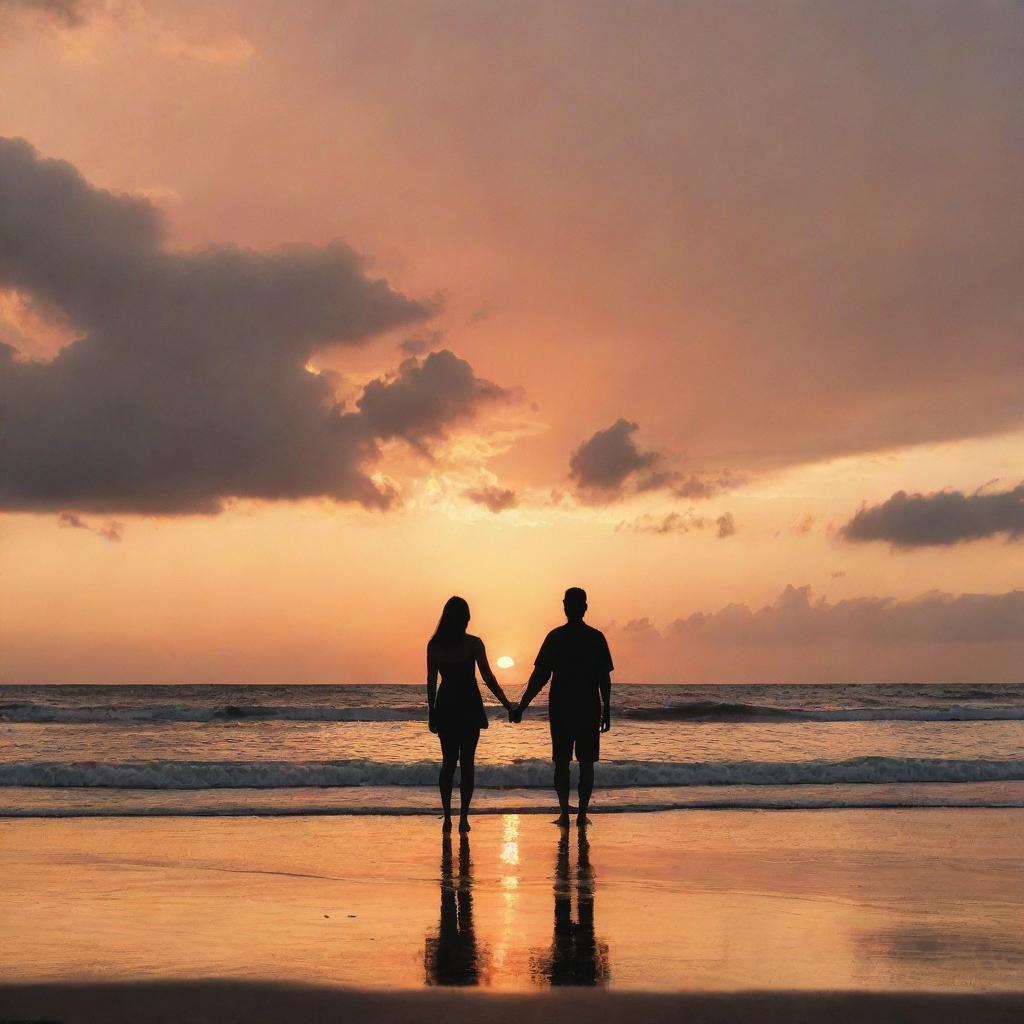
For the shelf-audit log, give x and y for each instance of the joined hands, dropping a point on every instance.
(515, 713)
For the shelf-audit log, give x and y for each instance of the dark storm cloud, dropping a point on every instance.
(609, 458)
(939, 519)
(188, 384)
(497, 499)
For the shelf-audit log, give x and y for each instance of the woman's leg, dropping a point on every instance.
(467, 773)
(446, 777)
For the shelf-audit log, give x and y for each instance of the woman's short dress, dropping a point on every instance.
(458, 706)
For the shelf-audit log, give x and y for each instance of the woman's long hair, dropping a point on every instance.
(451, 627)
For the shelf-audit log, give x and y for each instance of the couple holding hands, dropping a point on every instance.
(575, 657)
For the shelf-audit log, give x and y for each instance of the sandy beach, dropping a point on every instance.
(922, 901)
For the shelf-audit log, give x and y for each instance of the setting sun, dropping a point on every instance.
(505, 662)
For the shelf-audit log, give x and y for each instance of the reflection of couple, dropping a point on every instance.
(574, 657)
(453, 956)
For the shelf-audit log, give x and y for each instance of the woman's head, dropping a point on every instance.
(451, 627)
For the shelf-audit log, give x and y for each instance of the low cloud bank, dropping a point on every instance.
(800, 638)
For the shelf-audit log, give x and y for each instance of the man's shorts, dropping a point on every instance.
(582, 734)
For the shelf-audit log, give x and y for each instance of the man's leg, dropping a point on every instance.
(562, 788)
(585, 790)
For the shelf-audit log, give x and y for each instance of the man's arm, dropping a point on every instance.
(538, 680)
(605, 685)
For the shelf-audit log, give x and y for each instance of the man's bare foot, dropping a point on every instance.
(463, 824)
(562, 821)
(582, 820)
(447, 825)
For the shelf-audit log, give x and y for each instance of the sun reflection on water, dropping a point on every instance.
(509, 858)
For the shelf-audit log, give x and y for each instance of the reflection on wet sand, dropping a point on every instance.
(576, 956)
(452, 956)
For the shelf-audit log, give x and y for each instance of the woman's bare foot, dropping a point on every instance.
(447, 825)
(562, 821)
(463, 824)
(582, 821)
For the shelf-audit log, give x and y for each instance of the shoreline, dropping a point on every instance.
(22, 803)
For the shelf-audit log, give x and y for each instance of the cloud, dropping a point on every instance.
(188, 382)
(800, 638)
(726, 525)
(673, 522)
(112, 531)
(679, 523)
(421, 400)
(934, 618)
(609, 458)
(67, 12)
(418, 344)
(497, 499)
(939, 519)
(230, 50)
(804, 525)
(609, 465)
(819, 252)
(699, 487)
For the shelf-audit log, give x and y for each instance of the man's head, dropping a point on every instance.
(575, 604)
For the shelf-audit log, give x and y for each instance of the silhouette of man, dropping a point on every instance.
(575, 657)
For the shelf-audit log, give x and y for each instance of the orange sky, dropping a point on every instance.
(784, 242)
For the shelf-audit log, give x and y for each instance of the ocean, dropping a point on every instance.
(68, 751)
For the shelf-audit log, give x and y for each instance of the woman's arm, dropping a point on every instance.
(489, 679)
(431, 689)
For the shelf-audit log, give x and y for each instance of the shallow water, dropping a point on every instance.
(244, 750)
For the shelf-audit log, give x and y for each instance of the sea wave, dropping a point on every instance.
(101, 714)
(703, 711)
(524, 774)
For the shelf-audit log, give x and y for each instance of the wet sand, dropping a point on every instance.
(898, 901)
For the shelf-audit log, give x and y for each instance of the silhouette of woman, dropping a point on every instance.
(456, 707)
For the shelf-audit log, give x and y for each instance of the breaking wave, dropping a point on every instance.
(524, 774)
(704, 711)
